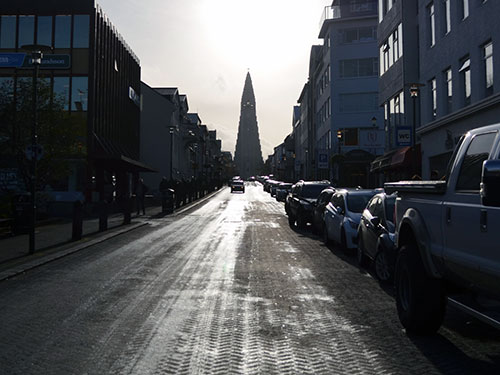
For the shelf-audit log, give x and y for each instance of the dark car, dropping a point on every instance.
(301, 201)
(282, 191)
(237, 185)
(319, 209)
(376, 236)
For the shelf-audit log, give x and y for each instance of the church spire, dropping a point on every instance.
(248, 155)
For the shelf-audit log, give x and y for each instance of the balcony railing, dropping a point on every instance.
(352, 9)
(329, 13)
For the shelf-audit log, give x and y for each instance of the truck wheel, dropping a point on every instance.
(360, 253)
(420, 299)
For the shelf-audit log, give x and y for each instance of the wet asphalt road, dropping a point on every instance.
(225, 288)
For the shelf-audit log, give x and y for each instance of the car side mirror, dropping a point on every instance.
(490, 183)
(375, 221)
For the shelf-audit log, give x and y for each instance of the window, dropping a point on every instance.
(432, 25)
(26, 30)
(63, 32)
(8, 32)
(44, 31)
(432, 85)
(79, 93)
(61, 92)
(478, 151)
(395, 45)
(350, 137)
(359, 35)
(358, 68)
(358, 6)
(465, 80)
(447, 16)
(81, 31)
(359, 102)
(447, 76)
(488, 67)
(465, 9)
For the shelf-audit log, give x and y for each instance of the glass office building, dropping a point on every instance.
(90, 77)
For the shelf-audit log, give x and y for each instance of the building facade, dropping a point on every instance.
(459, 69)
(347, 117)
(91, 81)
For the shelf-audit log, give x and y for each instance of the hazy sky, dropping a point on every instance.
(205, 48)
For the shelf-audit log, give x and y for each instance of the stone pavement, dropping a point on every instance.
(54, 240)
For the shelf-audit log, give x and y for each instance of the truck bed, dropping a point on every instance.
(420, 187)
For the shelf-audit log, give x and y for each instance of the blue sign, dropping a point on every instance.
(403, 136)
(11, 60)
(50, 61)
(323, 161)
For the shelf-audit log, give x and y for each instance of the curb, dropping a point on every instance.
(38, 259)
(34, 263)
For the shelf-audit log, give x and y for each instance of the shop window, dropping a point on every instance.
(63, 32)
(8, 32)
(26, 30)
(81, 31)
(44, 31)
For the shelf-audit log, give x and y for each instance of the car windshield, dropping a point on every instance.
(312, 191)
(237, 182)
(357, 202)
(389, 208)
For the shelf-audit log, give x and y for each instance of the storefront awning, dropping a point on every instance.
(382, 162)
(400, 156)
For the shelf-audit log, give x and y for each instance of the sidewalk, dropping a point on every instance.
(53, 241)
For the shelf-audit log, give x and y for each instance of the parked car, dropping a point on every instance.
(343, 214)
(301, 200)
(272, 187)
(376, 236)
(448, 237)
(282, 191)
(238, 185)
(319, 209)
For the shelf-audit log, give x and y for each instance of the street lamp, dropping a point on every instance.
(36, 59)
(414, 91)
(339, 138)
(374, 121)
(171, 131)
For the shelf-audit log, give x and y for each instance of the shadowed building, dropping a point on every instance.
(248, 155)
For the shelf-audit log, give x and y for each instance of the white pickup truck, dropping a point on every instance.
(448, 236)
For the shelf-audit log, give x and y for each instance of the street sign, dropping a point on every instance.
(50, 62)
(30, 152)
(403, 136)
(322, 160)
(11, 60)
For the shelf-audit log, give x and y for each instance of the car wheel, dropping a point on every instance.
(420, 299)
(381, 265)
(301, 222)
(360, 253)
(326, 240)
(343, 241)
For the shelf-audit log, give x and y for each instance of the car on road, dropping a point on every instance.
(376, 236)
(343, 214)
(319, 209)
(301, 201)
(238, 185)
(282, 191)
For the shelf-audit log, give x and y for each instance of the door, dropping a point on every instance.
(472, 242)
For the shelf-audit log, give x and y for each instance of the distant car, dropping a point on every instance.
(282, 191)
(237, 185)
(376, 236)
(319, 209)
(343, 214)
(273, 186)
(301, 200)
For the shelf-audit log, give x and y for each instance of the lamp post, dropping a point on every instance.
(171, 131)
(36, 60)
(414, 91)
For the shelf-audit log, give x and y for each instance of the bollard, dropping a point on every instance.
(77, 221)
(103, 216)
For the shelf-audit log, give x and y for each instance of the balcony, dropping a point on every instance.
(349, 9)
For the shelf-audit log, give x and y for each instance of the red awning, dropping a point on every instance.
(400, 156)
